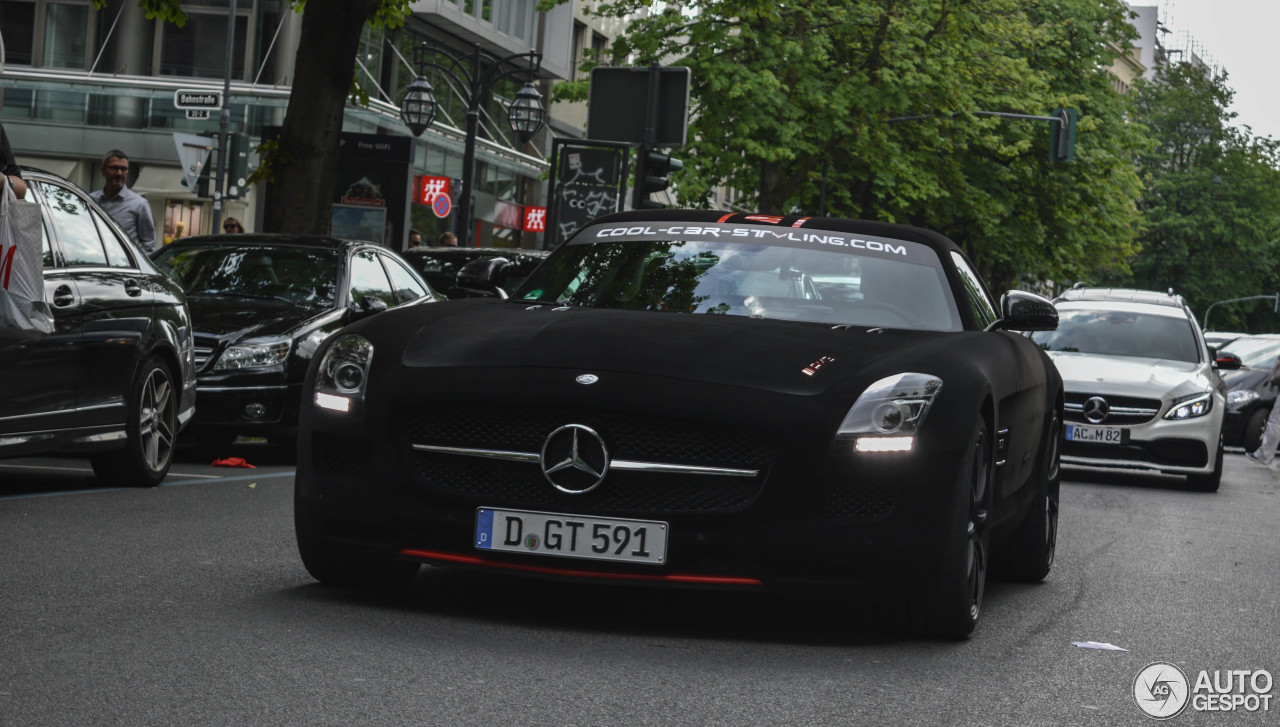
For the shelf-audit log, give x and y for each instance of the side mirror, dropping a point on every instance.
(1023, 311)
(483, 278)
(368, 305)
(1226, 361)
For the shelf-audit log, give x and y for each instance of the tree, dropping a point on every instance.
(1211, 205)
(791, 99)
(303, 161)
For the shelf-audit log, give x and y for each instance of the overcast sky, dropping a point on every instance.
(1240, 36)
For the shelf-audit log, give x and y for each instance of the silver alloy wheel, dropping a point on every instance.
(157, 419)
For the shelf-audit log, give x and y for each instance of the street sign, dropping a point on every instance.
(618, 105)
(198, 113)
(193, 152)
(441, 205)
(197, 98)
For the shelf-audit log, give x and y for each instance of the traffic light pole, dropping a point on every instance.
(640, 194)
(224, 120)
(1062, 140)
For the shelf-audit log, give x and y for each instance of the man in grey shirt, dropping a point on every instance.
(129, 209)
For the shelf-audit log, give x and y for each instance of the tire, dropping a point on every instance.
(949, 607)
(329, 565)
(1251, 438)
(1211, 481)
(151, 428)
(1028, 554)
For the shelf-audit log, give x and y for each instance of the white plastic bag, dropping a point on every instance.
(24, 314)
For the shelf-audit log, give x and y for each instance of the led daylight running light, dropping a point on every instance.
(333, 403)
(884, 444)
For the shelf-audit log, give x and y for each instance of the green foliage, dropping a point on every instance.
(1211, 204)
(789, 98)
(168, 11)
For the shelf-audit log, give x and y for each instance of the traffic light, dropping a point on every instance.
(1062, 135)
(653, 174)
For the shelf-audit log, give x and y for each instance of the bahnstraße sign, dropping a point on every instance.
(197, 98)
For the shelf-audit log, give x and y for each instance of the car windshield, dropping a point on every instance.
(1256, 353)
(1121, 332)
(299, 275)
(749, 270)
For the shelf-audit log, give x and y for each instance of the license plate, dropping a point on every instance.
(1097, 435)
(571, 536)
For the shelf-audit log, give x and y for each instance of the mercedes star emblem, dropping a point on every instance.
(1096, 409)
(574, 459)
(587, 379)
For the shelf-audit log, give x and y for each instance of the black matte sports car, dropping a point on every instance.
(670, 400)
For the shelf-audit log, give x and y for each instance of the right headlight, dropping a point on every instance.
(343, 377)
(887, 416)
(1240, 398)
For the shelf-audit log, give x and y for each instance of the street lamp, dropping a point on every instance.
(526, 113)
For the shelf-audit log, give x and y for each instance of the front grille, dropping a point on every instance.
(522, 484)
(1125, 410)
(202, 355)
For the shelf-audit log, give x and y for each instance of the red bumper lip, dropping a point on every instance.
(687, 578)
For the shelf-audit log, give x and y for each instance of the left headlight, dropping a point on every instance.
(254, 353)
(1240, 398)
(343, 377)
(887, 416)
(1189, 407)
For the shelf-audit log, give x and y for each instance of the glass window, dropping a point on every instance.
(117, 255)
(983, 311)
(881, 283)
(74, 222)
(1121, 331)
(199, 48)
(298, 275)
(368, 279)
(18, 26)
(66, 35)
(406, 286)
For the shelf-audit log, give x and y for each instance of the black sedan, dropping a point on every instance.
(261, 305)
(474, 272)
(669, 400)
(1250, 394)
(114, 379)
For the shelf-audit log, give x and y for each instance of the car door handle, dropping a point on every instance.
(133, 288)
(63, 297)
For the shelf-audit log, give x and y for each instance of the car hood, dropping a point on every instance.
(240, 318)
(777, 356)
(1245, 378)
(1130, 376)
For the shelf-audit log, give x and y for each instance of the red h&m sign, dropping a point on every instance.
(427, 187)
(535, 219)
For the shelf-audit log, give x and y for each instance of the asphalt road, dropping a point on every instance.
(187, 605)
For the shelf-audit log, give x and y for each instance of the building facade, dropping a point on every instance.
(77, 82)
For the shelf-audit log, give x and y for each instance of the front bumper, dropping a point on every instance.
(810, 525)
(1187, 447)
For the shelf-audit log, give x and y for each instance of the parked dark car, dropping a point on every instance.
(669, 400)
(1250, 394)
(503, 268)
(115, 380)
(261, 306)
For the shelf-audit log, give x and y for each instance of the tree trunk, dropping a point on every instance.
(306, 164)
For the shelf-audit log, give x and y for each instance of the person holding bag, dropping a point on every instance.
(24, 314)
(1266, 451)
